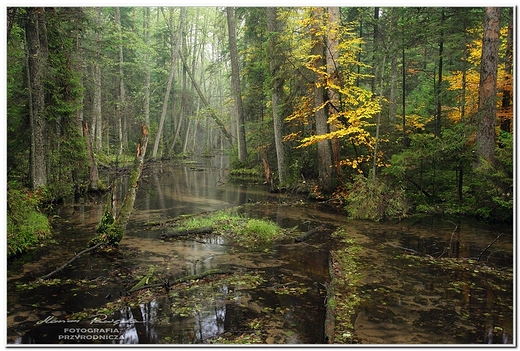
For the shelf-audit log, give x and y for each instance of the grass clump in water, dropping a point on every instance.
(245, 232)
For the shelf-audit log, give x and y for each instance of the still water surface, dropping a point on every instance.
(405, 305)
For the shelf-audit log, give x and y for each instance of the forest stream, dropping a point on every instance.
(272, 296)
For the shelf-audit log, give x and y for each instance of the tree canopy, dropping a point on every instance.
(325, 96)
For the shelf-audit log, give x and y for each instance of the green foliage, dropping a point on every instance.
(25, 223)
(492, 188)
(376, 200)
(431, 167)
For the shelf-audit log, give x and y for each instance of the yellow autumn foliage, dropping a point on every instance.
(351, 118)
(469, 96)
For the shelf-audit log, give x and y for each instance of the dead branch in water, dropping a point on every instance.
(494, 241)
(182, 280)
(311, 232)
(70, 261)
(409, 250)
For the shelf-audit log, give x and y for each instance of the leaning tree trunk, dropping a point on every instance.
(176, 40)
(111, 229)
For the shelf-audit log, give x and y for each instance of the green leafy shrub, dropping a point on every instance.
(25, 223)
(376, 200)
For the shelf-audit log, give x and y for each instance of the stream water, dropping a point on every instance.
(406, 305)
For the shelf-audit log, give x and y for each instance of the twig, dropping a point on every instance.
(410, 250)
(71, 260)
(478, 259)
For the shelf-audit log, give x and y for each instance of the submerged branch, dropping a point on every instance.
(494, 241)
(307, 235)
(182, 280)
(70, 261)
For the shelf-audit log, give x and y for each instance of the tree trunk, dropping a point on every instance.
(438, 92)
(206, 103)
(324, 150)
(464, 69)
(122, 128)
(111, 230)
(488, 86)
(37, 93)
(147, 66)
(507, 97)
(165, 105)
(273, 26)
(392, 108)
(332, 71)
(403, 71)
(235, 86)
(376, 145)
(373, 82)
(97, 121)
(93, 170)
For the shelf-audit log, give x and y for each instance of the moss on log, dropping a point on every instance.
(111, 228)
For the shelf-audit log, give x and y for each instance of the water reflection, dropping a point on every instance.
(411, 295)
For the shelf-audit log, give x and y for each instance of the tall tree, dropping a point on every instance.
(275, 62)
(175, 40)
(332, 54)
(97, 121)
(235, 85)
(507, 97)
(488, 86)
(320, 115)
(438, 91)
(37, 98)
(121, 118)
(146, 28)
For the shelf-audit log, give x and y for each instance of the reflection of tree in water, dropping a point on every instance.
(127, 327)
(129, 324)
(149, 314)
(210, 323)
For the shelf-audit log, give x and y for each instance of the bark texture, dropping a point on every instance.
(275, 62)
(235, 85)
(37, 97)
(488, 86)
(324, 150)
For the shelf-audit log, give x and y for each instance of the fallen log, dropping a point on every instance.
(184, 232)
(307, 235)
